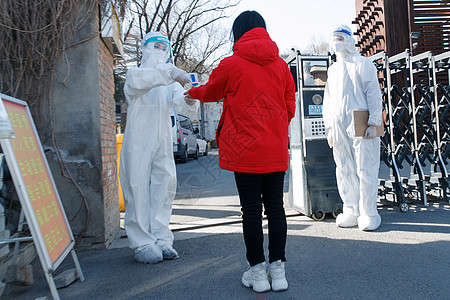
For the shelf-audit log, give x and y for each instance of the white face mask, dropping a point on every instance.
(160, 56)
(339, 47)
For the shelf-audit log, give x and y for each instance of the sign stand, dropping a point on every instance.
(37, 191)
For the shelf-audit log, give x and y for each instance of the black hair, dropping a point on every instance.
(246, 21)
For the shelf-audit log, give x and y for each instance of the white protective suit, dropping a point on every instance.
(352, 84)
(147, 167)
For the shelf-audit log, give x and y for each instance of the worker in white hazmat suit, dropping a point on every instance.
(352, 84)
(147, 168)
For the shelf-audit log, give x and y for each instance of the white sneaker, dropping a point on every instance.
(256, 277)
(277, 276)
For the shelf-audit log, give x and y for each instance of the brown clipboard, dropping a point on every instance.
(360, 119)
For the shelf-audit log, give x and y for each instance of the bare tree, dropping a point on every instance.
(35, 35)
(317, 45)
(191, 25)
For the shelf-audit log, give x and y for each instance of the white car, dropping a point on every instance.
(184, 141)
(202, 145)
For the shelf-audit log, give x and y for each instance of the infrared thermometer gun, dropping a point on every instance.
(194, 79)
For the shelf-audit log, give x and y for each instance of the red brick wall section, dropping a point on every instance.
(108, 143)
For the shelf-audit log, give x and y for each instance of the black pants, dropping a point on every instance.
(256, 189)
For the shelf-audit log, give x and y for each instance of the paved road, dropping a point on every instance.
(406, 258)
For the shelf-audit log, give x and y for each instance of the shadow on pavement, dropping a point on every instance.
(404, 259)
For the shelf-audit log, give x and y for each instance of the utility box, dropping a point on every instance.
(312, 177)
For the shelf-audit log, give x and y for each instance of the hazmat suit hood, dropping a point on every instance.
(342, 43)
(156, 49)
(257, 46)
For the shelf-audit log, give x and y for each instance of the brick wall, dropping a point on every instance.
(108, 142)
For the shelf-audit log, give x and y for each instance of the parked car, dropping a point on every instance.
(201, 143)
(184, 141)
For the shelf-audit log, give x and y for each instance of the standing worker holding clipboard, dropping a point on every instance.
(352, 86)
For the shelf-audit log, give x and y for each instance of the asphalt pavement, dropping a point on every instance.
(406, 258)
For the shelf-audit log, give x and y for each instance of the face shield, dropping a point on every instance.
(155, 50)
(341, 41)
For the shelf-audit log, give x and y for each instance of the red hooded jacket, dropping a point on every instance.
(258, 95)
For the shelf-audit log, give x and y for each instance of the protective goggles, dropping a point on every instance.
(337, 37)
(342, 30)
(157, 39)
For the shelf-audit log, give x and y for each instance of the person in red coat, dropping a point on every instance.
(258, 95)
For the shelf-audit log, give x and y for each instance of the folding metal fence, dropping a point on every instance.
(416, 101)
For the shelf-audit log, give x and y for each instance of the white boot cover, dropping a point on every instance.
(168, 252)
(148, 254)
(277, 277)
(367, 223)
(345, 220)
(256, 277)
